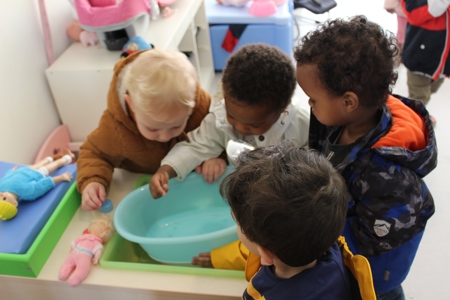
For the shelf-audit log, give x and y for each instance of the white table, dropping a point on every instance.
(114, 284)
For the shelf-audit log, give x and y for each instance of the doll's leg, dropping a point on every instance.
(67, 267)
(46, 161)
(83, 266)
(42, 163)
(54, 165)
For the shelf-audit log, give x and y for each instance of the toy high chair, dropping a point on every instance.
(115, 23)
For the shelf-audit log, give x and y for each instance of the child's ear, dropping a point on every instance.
(351, 101)
(129, 102)
(266, 256)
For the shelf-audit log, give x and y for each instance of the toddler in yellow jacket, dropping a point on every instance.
(290, 205)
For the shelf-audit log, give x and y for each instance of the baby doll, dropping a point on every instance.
(86, 248)
(31, 182)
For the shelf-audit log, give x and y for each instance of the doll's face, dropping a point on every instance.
(9, 197)
(100, 229)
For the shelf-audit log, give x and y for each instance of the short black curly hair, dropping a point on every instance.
(352, 55)
(259, 75)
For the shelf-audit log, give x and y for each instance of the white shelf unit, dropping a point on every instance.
(79, 79)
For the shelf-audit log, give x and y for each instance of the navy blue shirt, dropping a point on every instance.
(328, 279)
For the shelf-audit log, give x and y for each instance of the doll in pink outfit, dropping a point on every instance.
(86, 249)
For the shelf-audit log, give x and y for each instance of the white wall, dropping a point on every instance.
(28, 114)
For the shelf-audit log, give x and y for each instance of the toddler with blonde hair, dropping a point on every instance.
(153, 101)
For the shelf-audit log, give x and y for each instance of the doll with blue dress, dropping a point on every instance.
(28, 183)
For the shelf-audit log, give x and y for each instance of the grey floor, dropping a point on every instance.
(429, 277)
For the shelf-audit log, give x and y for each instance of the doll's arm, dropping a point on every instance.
(67, 176)
(96, 256)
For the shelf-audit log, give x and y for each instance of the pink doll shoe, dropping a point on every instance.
(263, 8)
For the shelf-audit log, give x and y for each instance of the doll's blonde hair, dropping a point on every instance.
(159, 79)
(7, 210)
(106, 224)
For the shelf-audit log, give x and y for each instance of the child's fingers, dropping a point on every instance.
(157, 190)
(203, 259)
(205, 254)
(101, 193)
(198, 170)
(96, 199)
(92, 201)
(159, 185)
(88, 205)
(161, 192)
(218, 171)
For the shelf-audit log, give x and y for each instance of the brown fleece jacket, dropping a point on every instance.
(117, 143)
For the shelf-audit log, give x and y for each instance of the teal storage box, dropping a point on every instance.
(275, 30)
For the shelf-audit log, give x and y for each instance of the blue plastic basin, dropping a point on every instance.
(192, 218)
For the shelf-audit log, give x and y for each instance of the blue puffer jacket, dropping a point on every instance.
(390, 203)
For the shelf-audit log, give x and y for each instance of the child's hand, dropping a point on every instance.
(93, 196)
(212, 169)
(159, 183)
(203, 260)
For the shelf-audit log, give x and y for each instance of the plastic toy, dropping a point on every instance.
(107, 206)
(259, 8)
(135, 44)
(86, 249)
(28, 183)
(76, 33)
(235, 148)
(114, 22)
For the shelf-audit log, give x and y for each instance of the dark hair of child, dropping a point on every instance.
(288, 200)
(357, 56)
(259, 75)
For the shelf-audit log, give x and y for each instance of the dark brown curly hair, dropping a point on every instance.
(289, 200)
(354, 55)
(259, 75)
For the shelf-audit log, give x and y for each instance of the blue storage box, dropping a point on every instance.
(20, 232)
(27, 240)
(274, 30)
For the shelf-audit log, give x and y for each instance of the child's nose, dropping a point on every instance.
(242, 128)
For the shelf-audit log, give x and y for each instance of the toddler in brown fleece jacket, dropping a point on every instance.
(153, 100)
